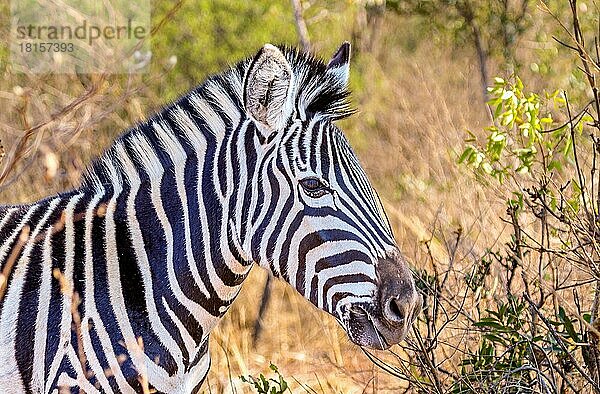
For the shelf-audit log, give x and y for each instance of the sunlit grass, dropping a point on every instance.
(414, 110)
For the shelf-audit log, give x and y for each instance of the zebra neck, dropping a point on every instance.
(182, 174)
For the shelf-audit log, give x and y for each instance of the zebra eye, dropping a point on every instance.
(314, 187)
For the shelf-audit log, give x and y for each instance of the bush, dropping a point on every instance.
(263, 385)
(527, 312)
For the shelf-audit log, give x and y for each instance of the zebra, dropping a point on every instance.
(115, 286)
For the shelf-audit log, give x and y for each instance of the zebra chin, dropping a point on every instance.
(366, 326)
(385, 318)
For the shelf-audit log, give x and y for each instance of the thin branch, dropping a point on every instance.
(301, 25)
(560, 343)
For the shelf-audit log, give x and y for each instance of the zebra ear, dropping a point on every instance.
(267, 87)
(339, 65)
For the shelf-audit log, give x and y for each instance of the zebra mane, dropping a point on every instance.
(317, 93)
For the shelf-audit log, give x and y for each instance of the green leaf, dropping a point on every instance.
(507, 94)
(494, 325)
(467, 154)
(568, 324)
(487, 168)
(494, 338)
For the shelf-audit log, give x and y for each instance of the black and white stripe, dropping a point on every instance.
(156, 242)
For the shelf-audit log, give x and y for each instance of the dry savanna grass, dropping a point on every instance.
(415, 106)
(406, 134)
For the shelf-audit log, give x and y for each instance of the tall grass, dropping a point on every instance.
(415, 104)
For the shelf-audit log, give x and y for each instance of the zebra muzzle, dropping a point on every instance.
(387, 318)
(397, 297)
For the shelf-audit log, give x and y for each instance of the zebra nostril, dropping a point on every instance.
(393, 311)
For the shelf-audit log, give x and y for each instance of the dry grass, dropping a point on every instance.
(414, 110)
(406, 135)
(408, 132)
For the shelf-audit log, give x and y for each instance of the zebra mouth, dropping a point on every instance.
(365, 329)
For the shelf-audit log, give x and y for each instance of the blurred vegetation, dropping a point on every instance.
(263, 385)
(503, 245)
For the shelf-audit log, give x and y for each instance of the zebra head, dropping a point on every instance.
(317, 222)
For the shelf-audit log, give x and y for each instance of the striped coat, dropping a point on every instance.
(116, 285)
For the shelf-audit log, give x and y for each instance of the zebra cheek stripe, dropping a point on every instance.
(118, 283)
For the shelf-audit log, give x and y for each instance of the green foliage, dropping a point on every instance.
(262, 385)
(545, 161)
(524, 135)
(499, 24)
(526, 142)
(206, 36)
(481, 269)
(4, 29)
(504, 347)
(500, 29)
(511, 351)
